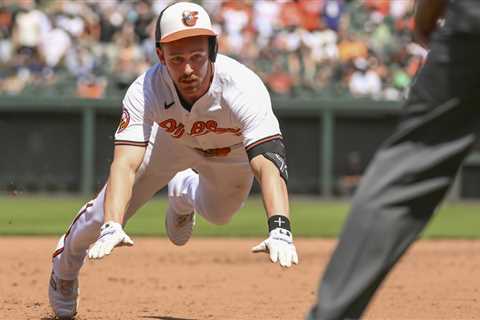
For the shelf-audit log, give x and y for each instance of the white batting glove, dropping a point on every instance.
(280, 246)
(111, 236)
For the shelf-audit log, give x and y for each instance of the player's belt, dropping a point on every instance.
(218, 152)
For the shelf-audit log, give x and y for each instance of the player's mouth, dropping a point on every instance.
(190, 84)
(188, 81)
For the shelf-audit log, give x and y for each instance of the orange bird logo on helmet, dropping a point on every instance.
(189, 18)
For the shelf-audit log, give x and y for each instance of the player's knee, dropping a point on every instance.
(218, 216)
(181, 182)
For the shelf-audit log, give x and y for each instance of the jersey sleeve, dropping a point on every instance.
(253, 109)
(136, 121)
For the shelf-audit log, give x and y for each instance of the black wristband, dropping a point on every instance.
(278, 221)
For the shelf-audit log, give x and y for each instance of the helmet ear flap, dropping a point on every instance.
(212, 48)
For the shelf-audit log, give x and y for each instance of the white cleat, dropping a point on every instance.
(179, 227)
(63, 296)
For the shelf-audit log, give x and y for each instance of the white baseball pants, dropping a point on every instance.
(216, 192)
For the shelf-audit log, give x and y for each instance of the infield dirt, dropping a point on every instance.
(219, 278)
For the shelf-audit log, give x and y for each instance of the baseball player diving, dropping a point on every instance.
(203, 124)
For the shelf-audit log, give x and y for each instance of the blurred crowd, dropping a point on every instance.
(307, 48)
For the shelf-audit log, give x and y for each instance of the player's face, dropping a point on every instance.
(188, 65)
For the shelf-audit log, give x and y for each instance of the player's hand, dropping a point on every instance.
(111, 236)
(280, 246)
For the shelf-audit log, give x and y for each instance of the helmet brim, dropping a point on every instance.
(186, 34)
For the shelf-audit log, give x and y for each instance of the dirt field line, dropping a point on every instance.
(220, 279)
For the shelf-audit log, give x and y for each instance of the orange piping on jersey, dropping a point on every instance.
(130, 143)
(251, 145)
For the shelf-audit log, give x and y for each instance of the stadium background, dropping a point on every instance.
(337, 71)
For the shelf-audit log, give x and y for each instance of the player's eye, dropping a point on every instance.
(177, 60)
(198, 57)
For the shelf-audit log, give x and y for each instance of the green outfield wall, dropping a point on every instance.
(66, 144)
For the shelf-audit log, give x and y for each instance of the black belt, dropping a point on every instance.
(218, 152)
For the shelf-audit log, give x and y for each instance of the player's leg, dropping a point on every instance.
(63, 286)
(223, 188)
(155, 172)
(168, 158)
(180, 213)
(406, 181)
(217, 191)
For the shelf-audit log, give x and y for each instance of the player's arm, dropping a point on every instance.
(427, 14)
(269, 165)
(267, 155)
(272, 185)
(126, 161)
(131, 140)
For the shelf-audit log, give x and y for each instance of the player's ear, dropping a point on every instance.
(160, 55)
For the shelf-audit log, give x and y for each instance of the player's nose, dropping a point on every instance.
(188, 69)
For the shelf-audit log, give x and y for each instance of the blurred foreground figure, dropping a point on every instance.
(414, 168)
(198, 122)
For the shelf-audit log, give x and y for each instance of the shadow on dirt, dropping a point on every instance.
(166, 318)
(143, 317)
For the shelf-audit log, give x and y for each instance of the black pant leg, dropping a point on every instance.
(405, 182)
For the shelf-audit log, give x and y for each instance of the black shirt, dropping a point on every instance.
(463, 16)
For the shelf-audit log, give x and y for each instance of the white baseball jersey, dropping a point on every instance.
(236, 109)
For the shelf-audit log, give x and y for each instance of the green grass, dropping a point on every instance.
(310, 218)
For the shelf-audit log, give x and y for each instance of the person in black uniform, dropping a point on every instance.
(413, 170)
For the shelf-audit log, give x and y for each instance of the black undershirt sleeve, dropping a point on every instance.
(274, 150)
